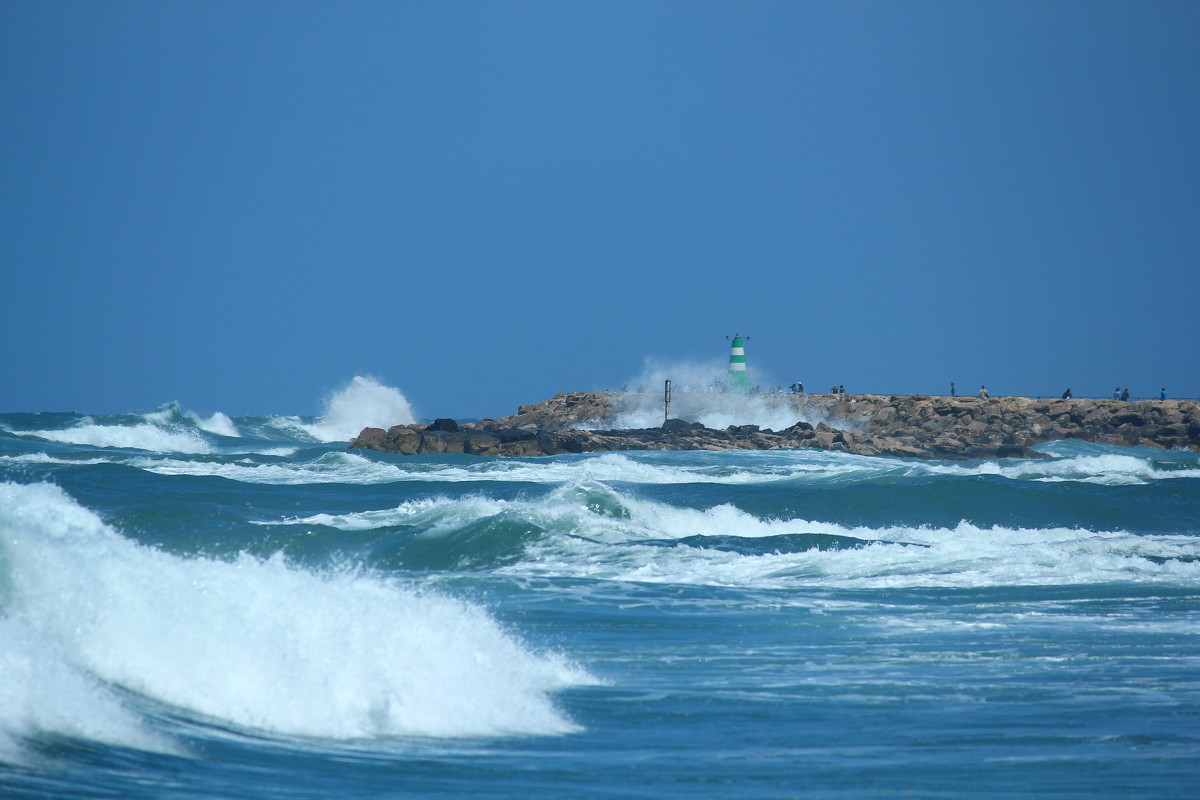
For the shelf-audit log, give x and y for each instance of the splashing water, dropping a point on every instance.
(699, 394)
(362, 403)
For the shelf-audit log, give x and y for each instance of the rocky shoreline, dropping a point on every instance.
(909, 425)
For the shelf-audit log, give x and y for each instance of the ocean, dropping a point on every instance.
(238, 607)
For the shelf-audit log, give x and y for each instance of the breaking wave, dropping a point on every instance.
(589, 530)
(362, 403)
(90, 619)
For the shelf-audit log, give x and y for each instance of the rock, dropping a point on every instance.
(823, 439)
(404, 440)
(909, 426)
(371, 436)
(481, 444)
(885, 415)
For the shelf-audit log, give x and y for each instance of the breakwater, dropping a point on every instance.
(901, 425)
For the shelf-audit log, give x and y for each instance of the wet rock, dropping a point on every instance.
(909, 426)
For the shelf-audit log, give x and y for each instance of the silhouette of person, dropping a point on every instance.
(1162, 393)
(983, 394)
(952, 394)
(1125, 393)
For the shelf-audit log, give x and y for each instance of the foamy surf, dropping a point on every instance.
(258, 644)
(217, 423)
(335, 467)
(966, 556)
(143, 436)
(1109, 469)
(591, 531)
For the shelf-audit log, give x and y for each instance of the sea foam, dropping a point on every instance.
(142, 436)
(1108, 469)
(592, 531)
(170, 429)
(256, 643)
(963, 556)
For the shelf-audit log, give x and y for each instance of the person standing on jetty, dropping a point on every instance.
(983, 395)
(1162, 393)
(952, 394)
(1125, 394)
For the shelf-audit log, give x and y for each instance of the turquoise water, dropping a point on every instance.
(234, 608)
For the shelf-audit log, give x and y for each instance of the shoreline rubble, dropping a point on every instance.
(912, 426)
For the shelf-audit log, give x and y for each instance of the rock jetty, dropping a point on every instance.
(909, 425)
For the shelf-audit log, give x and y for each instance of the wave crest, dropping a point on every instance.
(257, 643)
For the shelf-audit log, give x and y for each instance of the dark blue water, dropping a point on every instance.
(234, 608)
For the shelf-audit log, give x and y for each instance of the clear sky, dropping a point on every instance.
(242, 205)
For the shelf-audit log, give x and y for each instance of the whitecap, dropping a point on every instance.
(1110, 469)
(259, 644)
(143, 436)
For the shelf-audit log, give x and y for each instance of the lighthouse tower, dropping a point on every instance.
(739, 383)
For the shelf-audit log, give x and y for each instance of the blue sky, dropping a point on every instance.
(242, 205)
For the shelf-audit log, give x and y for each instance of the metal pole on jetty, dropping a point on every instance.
(739, 383)
(666, 401)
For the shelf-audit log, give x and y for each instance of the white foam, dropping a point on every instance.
(362, 403)
(171, 414)
(347, 468)
(259, 644)
(144, 436)
(1110, 469)
(432, 514)
(353, 468)
(42, 690)
(962, 557)
(218, 423)
(46, 458)
(629, 468)
(595, 532)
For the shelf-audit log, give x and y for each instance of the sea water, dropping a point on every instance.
(239, 607)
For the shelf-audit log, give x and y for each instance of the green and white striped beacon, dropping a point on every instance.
(739, 383)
